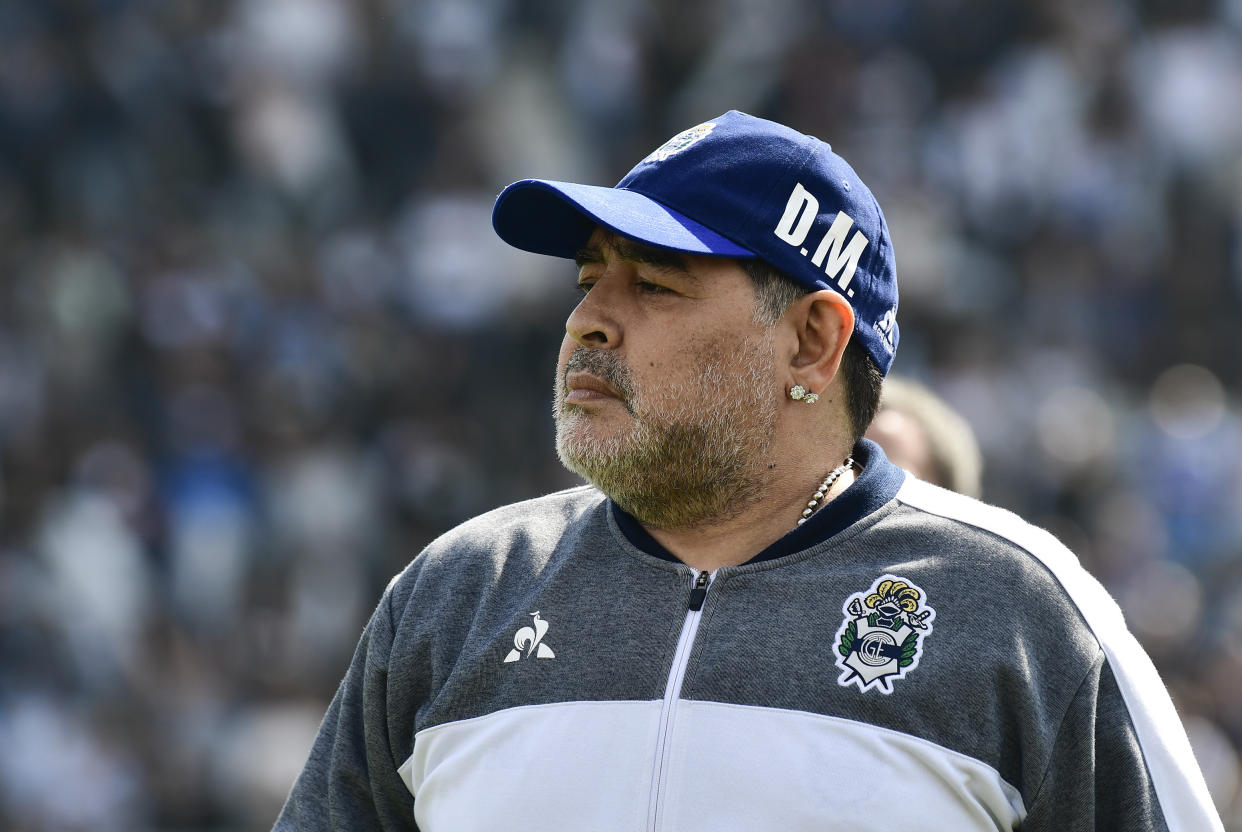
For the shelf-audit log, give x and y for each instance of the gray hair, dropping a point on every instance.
(775, 292)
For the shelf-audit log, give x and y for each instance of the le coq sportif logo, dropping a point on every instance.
(528, 641)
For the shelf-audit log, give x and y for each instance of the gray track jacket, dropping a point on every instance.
(911, 659)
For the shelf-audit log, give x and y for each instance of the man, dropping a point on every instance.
(750, 619)
(920, 432)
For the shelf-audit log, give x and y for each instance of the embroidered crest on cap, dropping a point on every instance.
(681, 141)
(881, 638)
(885, 327)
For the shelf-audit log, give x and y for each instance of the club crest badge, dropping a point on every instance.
(681, 141)
(882, 636)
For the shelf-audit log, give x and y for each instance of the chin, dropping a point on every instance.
(580, 435)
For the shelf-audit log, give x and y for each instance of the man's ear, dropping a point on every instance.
(823, 323)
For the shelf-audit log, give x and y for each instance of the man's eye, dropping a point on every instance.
(585, 287)
(652, 288)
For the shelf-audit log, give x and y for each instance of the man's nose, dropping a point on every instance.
(594, 322)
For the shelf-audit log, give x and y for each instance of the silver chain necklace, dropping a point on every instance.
(833, 476)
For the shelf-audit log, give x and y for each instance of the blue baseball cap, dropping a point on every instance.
(735, 186)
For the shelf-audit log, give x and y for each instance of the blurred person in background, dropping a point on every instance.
(659, 648)
(920, 432)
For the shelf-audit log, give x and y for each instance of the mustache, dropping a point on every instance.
(605, 365)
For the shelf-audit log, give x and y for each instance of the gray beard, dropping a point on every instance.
(695, 453)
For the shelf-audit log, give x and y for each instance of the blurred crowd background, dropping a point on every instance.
(258, 343)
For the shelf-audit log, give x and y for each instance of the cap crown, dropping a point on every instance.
(788, 199)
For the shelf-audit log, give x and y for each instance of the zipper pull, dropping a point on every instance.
(699, 593)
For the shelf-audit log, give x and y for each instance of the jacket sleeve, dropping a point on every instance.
(1099, 776)
(350, 780)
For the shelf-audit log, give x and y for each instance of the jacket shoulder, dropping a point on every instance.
(529, 530)
(1018, 553)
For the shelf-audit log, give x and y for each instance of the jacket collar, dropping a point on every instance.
(875, 486)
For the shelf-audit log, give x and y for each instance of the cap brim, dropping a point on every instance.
(548, 217)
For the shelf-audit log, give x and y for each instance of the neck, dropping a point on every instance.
(735, 539)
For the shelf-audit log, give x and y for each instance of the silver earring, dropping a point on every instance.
(800, 394)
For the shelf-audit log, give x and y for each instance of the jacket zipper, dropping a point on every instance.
(672, 692)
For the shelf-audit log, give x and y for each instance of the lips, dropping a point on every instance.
(586, 387)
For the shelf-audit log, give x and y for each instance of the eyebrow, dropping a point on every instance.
(661, 258)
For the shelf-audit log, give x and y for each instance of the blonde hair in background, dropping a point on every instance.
(944, 451)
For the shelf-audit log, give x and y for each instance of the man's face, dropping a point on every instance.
(666, 394)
